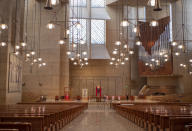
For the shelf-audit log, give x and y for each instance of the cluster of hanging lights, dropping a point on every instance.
(121, 51)
(180, 49)
(77, 47)
(31, 55)
(21, 49)
(180, 46)
(120, 54)
(77, 50)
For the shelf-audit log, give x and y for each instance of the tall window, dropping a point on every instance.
(97, 31)
(75, 33)
(90, 27)
(97, 3)
(81, 3)
(132, 13)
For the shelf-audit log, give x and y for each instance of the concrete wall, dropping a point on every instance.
(13, 17)
(51, 79)
(99, 72)
(185, 82)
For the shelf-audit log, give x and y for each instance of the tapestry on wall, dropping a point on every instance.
(15, 74)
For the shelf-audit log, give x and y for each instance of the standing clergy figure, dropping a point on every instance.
(98, 91)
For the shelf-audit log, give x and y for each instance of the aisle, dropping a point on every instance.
(101, 118)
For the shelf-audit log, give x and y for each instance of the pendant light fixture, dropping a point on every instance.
(17, 47)
(180, 46)
(54, 2)
(3, 44)
(23, 44)
(177, 53)
(131, 52)
(154, 23)
(118, 43)
(33, 53)
(124, 23)
(135, 29)
(50, 26)
(82, 42)
(3, 26)
(17, 53)
(78, 25)
(157, 6)
(61, 42)
(138, 41)
(48, 5)
(174, 43)
(151, 2)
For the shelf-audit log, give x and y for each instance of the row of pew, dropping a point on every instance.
(38, 116)
(158, 116)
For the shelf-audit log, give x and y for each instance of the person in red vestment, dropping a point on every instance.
(98, 91)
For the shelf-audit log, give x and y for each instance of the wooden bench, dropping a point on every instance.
(153, 116)
(188, 127)
(9, 129)
(178, 123)
(21, 126)
(41, 116)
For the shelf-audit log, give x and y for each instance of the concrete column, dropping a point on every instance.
(12, 14)
(64, 61)
(185, 82)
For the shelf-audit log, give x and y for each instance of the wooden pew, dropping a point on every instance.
(152, 116)
(188, 127)
(9, 129)
(178, 123)
(85, 104)
(53, 117)
(70, 111)
(36, 121)
(21, 126)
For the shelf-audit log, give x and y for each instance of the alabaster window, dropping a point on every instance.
(97, 31)
(92, 29)
(97, 3)
(82, 3)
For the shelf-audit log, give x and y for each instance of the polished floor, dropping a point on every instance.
(99, 117)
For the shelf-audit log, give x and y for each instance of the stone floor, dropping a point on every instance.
(99, 117)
